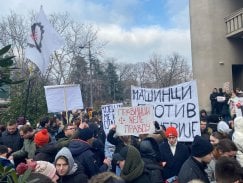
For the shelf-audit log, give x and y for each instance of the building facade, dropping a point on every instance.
(217, 45)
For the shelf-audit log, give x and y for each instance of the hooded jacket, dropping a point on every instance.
(133, 170)
(46, 153)
(149, 151)
(83, 155)
(75, 173)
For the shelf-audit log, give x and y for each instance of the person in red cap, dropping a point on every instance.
(173, 153)
(45, 150)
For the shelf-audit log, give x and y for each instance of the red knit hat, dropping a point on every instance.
(171, 131)
(41, 137)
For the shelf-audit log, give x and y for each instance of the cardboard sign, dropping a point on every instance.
(173, 106)
(63, 98)
(108, 115)
(134, 120)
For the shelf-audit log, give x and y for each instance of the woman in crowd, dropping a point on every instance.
(67, 169)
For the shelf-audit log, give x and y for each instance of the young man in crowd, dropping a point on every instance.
(173, 153)
(194, 167)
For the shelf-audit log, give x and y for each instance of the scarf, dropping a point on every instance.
(134, 165)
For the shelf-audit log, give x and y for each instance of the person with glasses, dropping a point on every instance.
(173, 153)
(69, 131)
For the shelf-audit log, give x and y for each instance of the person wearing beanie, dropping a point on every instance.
(42, 167)
(173, 153)
(67, 169)
(194, 167)
(46, 168)
(82, 153)
(45, 150)
(41, 138)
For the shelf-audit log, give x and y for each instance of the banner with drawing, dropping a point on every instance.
(134, 120)
(108, 115)
(173, 106)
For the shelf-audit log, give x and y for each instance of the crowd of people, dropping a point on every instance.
(68, 152)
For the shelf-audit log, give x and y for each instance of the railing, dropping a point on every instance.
(234, 24)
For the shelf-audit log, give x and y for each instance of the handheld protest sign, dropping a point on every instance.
(63, 98)
(134, 120)
(173, 106)
(108, 115)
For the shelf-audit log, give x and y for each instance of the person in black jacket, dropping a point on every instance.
(173, 153)
(11, 137)
(67, 169)
(213, 99)
(149, 150)
(82, 153)
(194, 167)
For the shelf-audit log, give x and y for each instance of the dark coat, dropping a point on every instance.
(82, 154)
(77, 177)
(46, 153)
(144, 178)
(192, 169)
(150, 154)
(6, 163)
(14, 141)
(173, 163)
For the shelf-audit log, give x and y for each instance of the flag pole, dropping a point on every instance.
(65, 104)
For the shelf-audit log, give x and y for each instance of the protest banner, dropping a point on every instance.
(63, 98)
(108, 115)
(134, 120)
(173, 106)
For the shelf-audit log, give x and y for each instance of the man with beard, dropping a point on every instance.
(29, 148)
(11, 137)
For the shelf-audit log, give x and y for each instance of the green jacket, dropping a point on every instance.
(28, 149)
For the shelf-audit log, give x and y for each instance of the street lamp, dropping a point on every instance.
(90, 73)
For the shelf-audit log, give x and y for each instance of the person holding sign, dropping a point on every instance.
(119, 142)
(173, 153)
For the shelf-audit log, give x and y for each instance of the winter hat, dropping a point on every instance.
(171, 131)
(41, 137)
(201, 147)
(223, 127)
(45, 168)
(85, 134)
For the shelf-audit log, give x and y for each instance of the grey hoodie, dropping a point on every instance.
(66, 153)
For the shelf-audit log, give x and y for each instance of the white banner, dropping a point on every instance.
(173, 106)
(63, 98)
(108, 115)
(134, 120)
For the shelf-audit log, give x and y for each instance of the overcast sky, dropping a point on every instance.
(134, 29)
